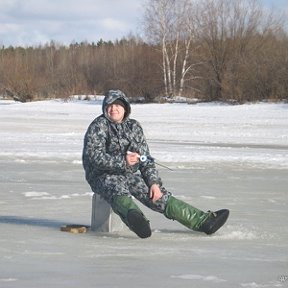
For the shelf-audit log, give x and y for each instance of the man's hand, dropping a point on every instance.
(132, 158)
(155, 193)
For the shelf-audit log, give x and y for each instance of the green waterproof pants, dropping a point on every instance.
(184, 213)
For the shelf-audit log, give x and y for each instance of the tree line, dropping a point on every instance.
(209, 50)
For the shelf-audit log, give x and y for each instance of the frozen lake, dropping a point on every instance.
(242, 166)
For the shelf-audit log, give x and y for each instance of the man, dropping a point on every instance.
(114, 168)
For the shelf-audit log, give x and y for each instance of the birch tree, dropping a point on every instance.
(165, 23)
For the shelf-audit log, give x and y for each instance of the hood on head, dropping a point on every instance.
(113, 95)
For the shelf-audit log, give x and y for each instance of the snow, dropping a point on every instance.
(222, 156)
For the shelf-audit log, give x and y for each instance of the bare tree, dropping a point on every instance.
(166, 24)
(227, 30)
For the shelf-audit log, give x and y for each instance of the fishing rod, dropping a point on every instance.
(144, 158)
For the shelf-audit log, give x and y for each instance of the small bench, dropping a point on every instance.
(103, 218)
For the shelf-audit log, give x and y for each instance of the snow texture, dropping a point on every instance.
(222, 156)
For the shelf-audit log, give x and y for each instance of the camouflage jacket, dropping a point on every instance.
(106, 144)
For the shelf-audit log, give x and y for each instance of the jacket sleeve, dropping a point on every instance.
(96, 160)
(148, 169)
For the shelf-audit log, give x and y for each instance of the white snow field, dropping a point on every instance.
(222, 156)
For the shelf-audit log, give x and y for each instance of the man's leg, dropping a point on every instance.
(131, 215)
(193, 218)
(115, 190)
(173, 208)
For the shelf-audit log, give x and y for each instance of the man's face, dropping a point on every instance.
(115, 112)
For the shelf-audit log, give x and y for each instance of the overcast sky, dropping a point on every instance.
(33, 22)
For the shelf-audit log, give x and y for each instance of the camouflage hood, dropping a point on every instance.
(113, 95)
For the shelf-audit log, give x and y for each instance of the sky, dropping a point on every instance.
(34, 22)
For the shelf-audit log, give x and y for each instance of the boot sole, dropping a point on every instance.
(139, 224)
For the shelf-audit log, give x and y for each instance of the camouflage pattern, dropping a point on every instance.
(105, 146)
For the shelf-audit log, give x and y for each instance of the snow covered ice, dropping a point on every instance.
(222, 156)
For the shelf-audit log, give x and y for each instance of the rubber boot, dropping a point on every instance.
(131, 215)
(215, 221)
(184, 213)
(194, 218)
